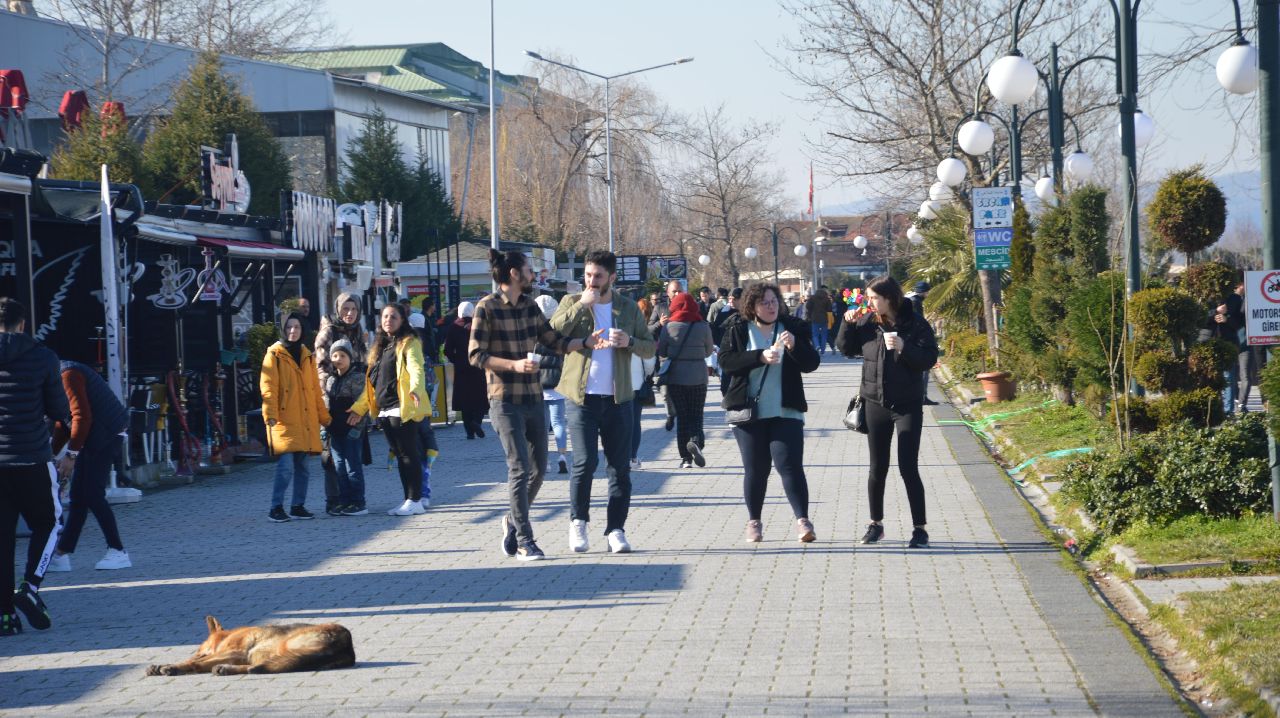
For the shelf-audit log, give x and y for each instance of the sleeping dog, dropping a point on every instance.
(266, 649)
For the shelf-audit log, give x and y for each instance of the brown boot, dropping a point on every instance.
(804, 531)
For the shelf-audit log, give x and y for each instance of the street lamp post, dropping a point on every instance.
(608, 123)
(774, 231)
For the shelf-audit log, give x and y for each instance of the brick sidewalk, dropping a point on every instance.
(694, 622)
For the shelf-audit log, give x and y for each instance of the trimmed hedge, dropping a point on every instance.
(1175, 472)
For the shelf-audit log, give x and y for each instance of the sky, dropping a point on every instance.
(731, 41)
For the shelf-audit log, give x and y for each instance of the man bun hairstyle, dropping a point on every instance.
(604, 259)
(11, 313)
(501, 264)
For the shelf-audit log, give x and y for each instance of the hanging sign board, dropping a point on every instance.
(1262, 307)
(992, 207)
(991, 248)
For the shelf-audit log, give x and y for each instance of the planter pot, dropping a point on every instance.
(998, 385)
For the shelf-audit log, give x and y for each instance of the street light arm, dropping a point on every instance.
(1239, 28)
(565, 65)
(1071, 68)
(681, 61)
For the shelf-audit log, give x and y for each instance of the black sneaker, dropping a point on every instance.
(334, 509)
(564, 466)
(300, 512)
(355, 510)
(29, 602)
(508, 537)
(696, 452)
(530, 552)
(919, 538)
(930, 402)
(10, 624)
(277, 515)
(874, 533)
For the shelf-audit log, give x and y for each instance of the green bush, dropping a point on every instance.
(1210, 282)
(1269, 385)
(258, 338)
(967, 354)
(1165, 318)
(1094, 326)
(1188, 212)
(1198, 407)
(1090, 229)
(1140, 419)
(1176, 471)
(1160, 371)
(1207, 360)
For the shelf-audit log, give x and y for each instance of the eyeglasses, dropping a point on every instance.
(768, 302)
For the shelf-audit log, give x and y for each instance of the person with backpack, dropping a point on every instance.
(94, 445)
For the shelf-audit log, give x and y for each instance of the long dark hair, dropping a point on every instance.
(383, 339)
(888, 287)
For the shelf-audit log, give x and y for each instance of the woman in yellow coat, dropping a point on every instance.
(293, 409)
(396, 393)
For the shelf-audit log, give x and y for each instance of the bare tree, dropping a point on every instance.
(725, 186)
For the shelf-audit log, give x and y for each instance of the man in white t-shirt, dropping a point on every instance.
(597, 383)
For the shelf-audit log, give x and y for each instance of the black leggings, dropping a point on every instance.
(402, 437)
(779, 442)
(881, 423)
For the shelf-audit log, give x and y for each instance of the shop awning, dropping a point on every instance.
(243, 249)
(164, 235)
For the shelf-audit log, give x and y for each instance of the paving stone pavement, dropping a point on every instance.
(1167, 590)
(695, 622)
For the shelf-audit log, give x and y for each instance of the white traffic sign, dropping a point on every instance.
(1262, 307)
(992, 207)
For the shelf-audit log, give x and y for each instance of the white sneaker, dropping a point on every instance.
(406, 509)
(578, 541)
(113, 560)
(419, 507)
(618, 541)
(635, 464)
(426, 503)
(59, 562)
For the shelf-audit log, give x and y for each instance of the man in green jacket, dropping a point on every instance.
(597, 383)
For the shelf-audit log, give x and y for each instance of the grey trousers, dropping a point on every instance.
(522, 429)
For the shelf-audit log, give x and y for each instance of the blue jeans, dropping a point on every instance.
(598, 420)
(347, 464)
(300, 476)
(558, 423)
(1232, 390)
(820, 337)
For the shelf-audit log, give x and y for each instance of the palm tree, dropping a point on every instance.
(945, 260)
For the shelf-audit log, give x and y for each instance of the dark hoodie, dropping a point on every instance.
(31, 395)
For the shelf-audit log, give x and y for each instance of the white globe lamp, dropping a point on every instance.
(1044, 190)
(1238, 68)
(1079, 167)
(1143, 128)
(939, 192)
(860, 242)
(927, 210)
(704, 260)
(914, 234)
(1012, 79)
(976, 137)
(750, 252)
(801, 250)
(951, 172)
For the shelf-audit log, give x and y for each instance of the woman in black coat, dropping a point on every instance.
(896, 345)
(763, 354)
(470, 389)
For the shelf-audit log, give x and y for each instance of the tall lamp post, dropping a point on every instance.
(773, 231)
(608, 125)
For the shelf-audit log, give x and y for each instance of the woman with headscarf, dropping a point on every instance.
(294, 411)
(470, 390)
(550, 367)
(685, 342)
(344, 324)
(396, 393)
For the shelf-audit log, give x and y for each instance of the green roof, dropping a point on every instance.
(348, 59)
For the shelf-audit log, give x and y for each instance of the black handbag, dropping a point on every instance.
(855, 417)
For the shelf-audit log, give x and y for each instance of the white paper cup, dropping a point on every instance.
(889, 334)
(533, 357)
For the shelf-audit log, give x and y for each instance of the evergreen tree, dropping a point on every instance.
(375, 170)
(207, 107)
(95, 143)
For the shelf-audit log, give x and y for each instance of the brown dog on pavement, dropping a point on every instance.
(266, 649)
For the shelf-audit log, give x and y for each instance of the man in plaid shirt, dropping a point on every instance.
(507, 327)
